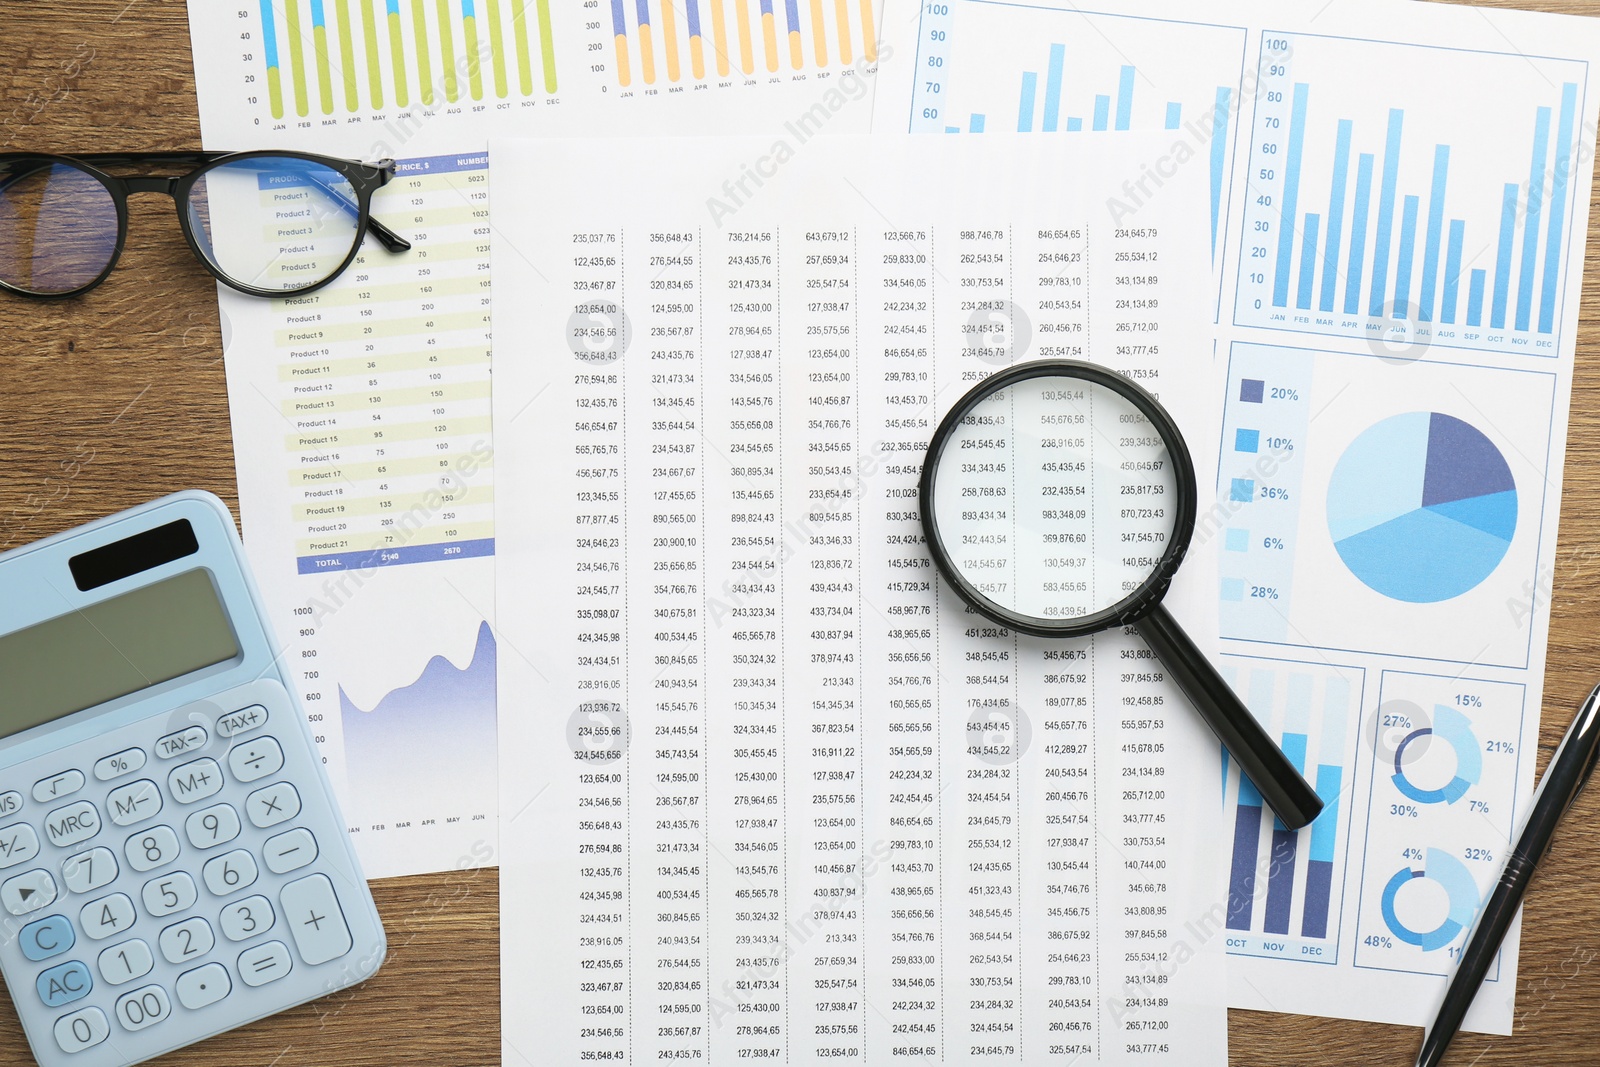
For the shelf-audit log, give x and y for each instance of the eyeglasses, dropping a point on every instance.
(266, 223)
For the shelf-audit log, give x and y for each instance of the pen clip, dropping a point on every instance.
(1583, 725)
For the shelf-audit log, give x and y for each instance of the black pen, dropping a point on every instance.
(1569, 769)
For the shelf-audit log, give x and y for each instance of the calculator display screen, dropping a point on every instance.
(107, 650)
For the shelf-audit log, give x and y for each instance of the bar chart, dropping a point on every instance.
(1286, 887)
(1444, 789)
(327, 57)
(665, 42)
(1441, 217)
(1015, 67)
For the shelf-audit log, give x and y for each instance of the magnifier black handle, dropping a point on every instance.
(1281, 786)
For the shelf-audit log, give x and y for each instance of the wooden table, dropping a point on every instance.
(112, 399)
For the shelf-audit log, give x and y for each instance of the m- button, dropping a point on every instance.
(183, 741)
(133, 802)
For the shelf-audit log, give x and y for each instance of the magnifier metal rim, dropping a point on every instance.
(1136, 603)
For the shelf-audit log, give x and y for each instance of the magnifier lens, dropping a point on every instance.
(1055, 498)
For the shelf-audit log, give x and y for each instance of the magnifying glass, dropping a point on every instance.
(1058, 499)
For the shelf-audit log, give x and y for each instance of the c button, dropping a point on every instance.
(47, 937)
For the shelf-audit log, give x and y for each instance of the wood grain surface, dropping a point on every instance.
(111, 399)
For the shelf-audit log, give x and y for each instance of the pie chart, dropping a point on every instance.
(1422, 507)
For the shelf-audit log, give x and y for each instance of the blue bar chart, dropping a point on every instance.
(1458, 220)
(1285, 887)
(1019, 67)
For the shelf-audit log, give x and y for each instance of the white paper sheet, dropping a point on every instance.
(383, 603)
(1399, 197)
(769, 790)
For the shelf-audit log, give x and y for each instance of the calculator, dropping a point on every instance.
(172, 860)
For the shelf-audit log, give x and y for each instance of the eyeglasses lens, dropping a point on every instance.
(275, 222)
(58, 227)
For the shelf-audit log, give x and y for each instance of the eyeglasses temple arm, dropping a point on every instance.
(390, 240)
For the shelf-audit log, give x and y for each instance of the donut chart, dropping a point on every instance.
(1452, 727)
(1422, 507)
(1459, 887)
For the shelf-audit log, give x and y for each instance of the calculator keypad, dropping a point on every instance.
(174, 876)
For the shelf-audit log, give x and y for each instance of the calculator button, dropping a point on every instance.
(203, 985)
(106, 916)
(64, 983)
(255, 759)
(149, 849)
(242, 721)
(57, 786)
(186, 940)
(121, 964)
(290, 851)
(88, 871)
(82, 1029)
(264, 963)
(47, 937)
(118, 763)
(183, 741)
(230, 872)
(247, 918)
(10, 802)
(18, 844)
(314, 918)
(195, 781)
(27, 892)
(133, 802)
(209, 827)
(71, 824)
(272, 805)
(169, 893)
(143, 1007)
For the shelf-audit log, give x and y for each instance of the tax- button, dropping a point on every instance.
(255, 759)
(313, 916)
(81, 1030)
(241, 721)
(71, 824)
(133, 802)
(195, 781)
(47, 937)
(28, 891)
(64, 984)
(18, 844)
(57, 786)
(183, 741)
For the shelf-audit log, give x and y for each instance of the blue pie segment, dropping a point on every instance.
(1422, 507)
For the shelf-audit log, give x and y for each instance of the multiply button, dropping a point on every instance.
(312, 912)
(242, 721)
(183, 741)
(119, 763)
(133, 802)
(255, 759)
(264, 963)
(47, 937)
(81, 1030)
(272, 805)
(64, 984)
(195, 781)
(18, 844)
(57, 786)
(71, 824)
(28, 891)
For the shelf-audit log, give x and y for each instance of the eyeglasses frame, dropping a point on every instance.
(364, 179)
